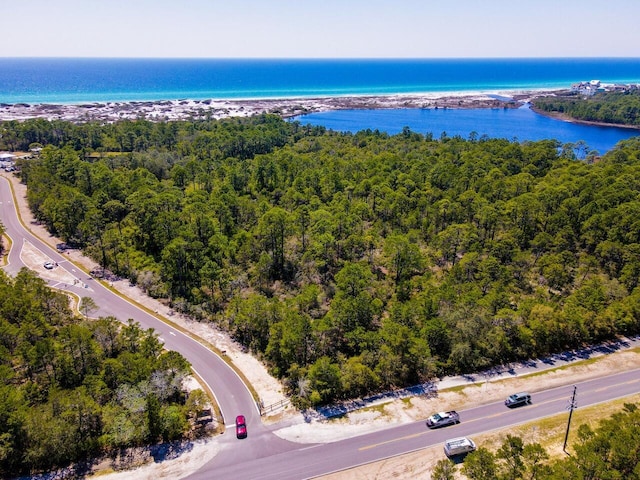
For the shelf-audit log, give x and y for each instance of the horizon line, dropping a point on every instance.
(115, 57)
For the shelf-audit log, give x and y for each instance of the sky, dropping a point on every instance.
(320, 28)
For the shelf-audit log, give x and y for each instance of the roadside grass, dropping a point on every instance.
(549, 432)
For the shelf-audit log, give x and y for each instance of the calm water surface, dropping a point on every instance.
(513, 124)
(81, 80)
(78, 80)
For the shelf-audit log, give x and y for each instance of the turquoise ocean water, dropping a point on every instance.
(83, 80)
(86, 80)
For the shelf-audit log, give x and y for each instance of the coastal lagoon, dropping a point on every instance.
(518, 124)
(44, 87)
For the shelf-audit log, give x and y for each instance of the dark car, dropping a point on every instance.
(518, 399)
(241, 427)
(442, 419)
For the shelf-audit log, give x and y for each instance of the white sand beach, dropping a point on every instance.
(165, 110)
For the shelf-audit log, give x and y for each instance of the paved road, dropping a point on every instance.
(311, 461)
(231, 393)
(265, 456)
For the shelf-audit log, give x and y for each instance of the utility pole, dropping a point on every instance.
(572, 406)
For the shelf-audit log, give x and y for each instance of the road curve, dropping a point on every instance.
(232, 395)
(263, 455)
(309, 461)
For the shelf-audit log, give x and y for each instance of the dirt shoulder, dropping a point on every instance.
(451, 393)
(268, 388)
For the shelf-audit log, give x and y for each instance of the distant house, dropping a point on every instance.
(588, 88)
(7, 157)
(594, 86)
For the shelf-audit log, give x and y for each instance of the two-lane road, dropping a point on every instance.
(312, 461)
(232, 395)
(263, 455)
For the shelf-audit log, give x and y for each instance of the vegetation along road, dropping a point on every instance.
(263, 454)
(349, 264)
(231, 393)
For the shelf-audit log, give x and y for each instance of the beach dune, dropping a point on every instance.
(165, 110)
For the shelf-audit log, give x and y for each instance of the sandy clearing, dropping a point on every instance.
(166, 110)
(381, 415)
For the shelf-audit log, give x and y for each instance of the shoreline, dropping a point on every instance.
(184, 109)
(563, 117)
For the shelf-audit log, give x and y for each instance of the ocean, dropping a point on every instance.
(87, 80)
(103, 80)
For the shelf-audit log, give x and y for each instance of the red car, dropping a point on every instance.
(241, 427)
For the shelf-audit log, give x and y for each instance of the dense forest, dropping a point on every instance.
(610, 451)
(621, 108)
(71, 388)
(351, 263)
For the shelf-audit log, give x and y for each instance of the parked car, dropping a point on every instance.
(241, 427)
(518, 399)
(442, 419)
(49, 265)
(458, 446)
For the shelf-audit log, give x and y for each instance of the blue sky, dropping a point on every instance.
(320, 28)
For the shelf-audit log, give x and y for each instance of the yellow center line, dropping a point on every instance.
(427, 431)
(494, 415)
(628, 382)
(399, 439)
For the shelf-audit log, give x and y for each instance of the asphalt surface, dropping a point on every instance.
(263, 455)
(231, 394)
(316, 460)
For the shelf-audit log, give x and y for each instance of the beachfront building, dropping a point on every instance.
(588, 88)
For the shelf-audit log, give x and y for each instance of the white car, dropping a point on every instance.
(442, 419)
(459, 446)
(49, 265)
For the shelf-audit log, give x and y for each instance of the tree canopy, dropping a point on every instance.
(622, 108)
(72, 388)
(352, 263)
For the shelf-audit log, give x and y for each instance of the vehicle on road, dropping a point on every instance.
(49, 265)
(442, 419)
(458, 446)
(517, 399)
(241, 427)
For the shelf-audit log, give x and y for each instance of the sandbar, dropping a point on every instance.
(185, 109)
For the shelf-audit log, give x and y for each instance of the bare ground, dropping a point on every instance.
(376, 416)
(286, 107)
